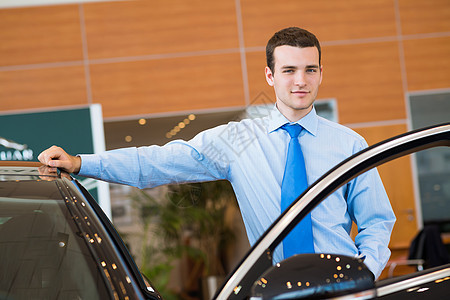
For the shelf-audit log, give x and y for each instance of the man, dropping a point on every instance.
(252, 154)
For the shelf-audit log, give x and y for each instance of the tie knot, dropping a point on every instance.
(293, 129)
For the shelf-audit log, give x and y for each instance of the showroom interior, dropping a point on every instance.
(166, 70)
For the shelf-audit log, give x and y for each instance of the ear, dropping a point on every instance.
(269, 76)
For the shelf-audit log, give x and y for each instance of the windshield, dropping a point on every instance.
(42, 252)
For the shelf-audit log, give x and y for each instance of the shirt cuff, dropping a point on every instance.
(90, 166)
(373, 266)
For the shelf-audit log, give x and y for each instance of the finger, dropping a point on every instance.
(42, 157)
(57, 163)
(51, 153)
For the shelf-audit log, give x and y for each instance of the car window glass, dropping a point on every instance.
(42, 254)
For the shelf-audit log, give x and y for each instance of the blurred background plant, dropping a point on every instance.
(188, 224)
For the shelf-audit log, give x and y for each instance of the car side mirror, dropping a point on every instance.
(315, 276)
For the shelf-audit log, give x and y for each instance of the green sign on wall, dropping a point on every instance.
(26, 135)
(79, 131)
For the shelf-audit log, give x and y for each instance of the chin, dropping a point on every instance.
(302, 107)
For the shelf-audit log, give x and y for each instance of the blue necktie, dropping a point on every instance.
(300, 239)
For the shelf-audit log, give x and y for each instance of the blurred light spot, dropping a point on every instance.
(442, 279)
(237, 289)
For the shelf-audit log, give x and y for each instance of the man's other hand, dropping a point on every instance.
(56, 157)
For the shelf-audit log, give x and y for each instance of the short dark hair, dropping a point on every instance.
(291, 36)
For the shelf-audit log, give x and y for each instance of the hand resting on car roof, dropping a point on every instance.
(56, 157)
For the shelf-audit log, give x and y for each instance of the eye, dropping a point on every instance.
(288, 71)
(311, 70)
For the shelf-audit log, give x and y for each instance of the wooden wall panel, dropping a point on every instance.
(366, 81)
(367, 86)
(397, 179)
(39, 34)
(329, 20)
(133, 28)
(143, 87)
(40, 88)
(260, 91)
(418, 16)
(427, 63)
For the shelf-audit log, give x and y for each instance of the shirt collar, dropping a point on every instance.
(308, 122)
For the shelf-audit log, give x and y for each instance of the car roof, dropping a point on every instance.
(21, 170)
(25, 180)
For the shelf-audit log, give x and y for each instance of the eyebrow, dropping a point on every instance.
(289, 67)
(295, 67)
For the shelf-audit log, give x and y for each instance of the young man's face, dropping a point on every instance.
(296, 79)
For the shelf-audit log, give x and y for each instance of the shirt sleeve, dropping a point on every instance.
(370, 209)
(144, 167)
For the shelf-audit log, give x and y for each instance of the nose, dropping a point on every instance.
(300, 79)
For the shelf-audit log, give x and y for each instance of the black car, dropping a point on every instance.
(56, 243)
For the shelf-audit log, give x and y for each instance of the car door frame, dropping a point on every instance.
(238, 283)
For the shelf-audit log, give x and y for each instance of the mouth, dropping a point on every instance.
(300, 93)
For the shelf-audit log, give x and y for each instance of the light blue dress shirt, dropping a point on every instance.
(251, 154)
